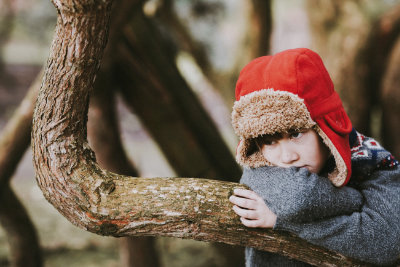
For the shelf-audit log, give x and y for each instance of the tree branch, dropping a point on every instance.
(21, 234)
(110, 204)
(15, 137)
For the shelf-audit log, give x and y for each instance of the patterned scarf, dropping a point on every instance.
(367, 155)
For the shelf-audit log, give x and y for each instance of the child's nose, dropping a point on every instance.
(288, 153)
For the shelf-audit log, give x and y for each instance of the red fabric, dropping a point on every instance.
(302, 72)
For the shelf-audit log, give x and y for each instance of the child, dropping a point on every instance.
(311, 173)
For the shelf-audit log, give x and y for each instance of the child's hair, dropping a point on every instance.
(290, 90)
(266, 138)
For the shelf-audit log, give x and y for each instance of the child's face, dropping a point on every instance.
(298, 149)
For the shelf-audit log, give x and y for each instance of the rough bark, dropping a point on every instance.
(109, 204)
(104, 138)
(21, 234)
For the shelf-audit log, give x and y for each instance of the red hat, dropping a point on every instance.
(290, 90)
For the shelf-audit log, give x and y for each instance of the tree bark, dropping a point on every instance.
(110, 204)
(104, 138)
(21, 234)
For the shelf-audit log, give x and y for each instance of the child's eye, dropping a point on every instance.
(269, 142)
(296, 135)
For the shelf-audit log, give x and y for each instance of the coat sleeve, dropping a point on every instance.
(371, 233)
(296, 195)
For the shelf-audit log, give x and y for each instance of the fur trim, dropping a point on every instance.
(248, 155)
(268, 112)
(339, 174)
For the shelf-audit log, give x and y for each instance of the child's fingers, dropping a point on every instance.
(245, 193)
(250, 223)
(244, 213)
(243, 202)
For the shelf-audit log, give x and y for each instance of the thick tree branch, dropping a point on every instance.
(104, 137)
(109, 204)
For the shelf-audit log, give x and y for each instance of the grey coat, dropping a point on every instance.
(360, 220)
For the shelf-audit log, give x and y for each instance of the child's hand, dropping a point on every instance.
(252, 209)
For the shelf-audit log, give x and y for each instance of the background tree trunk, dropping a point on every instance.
(15, 137)
(105, 138)
(340, 30)
(14, 140)
(260, 28)
(153, 87)
(356, 47)
(21, 234)
(183, 39)
(390, 96)
(7, 15)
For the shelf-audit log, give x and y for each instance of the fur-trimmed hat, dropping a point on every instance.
(290, 90)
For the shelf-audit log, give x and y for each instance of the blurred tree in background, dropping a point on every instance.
(175, 64)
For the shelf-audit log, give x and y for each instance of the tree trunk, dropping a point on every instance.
(357, 48)
(6, 25)
(383, 48)
(134, 251)
(260, 28)
(183, 39)
(15, 137)
(179, 124)
(340, 30)
(21, 234)
(391, 102)
(104, 138)
(109, 204)
(14, 140)
(154, 88)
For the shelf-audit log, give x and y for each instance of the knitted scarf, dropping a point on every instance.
(367, 155)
